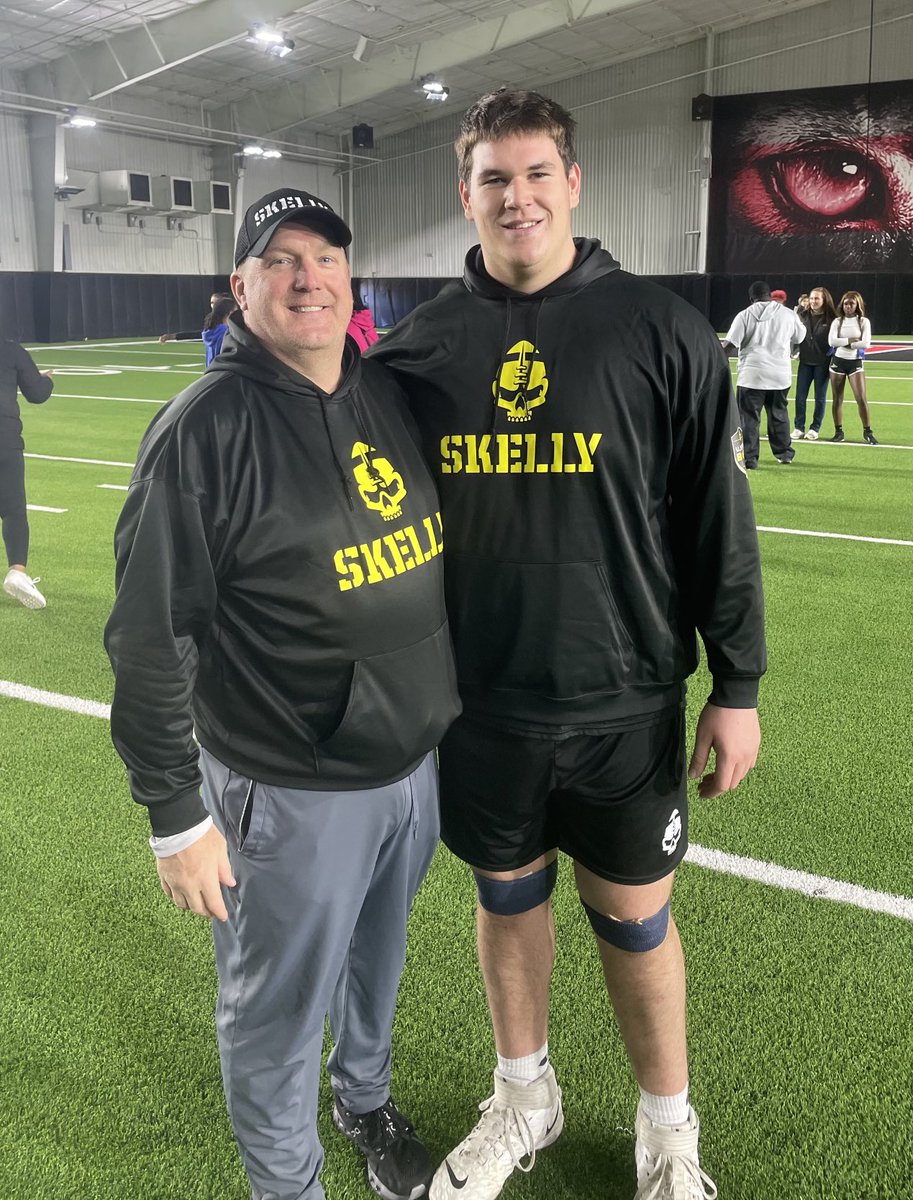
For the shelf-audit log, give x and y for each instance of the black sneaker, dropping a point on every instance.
(398, 1164)
(839, 436)
(869, 437)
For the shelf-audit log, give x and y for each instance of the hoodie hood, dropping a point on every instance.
(764, 310)
(244, 354)
(592, 262)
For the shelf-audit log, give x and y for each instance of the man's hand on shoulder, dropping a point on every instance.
(193, 878)
(734, 735)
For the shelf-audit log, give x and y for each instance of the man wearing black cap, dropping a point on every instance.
(279, 596)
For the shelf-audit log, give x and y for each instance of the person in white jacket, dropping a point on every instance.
(851, 334)
(765, 335)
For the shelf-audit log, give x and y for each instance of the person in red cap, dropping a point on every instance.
(779, 295)
(283, 675)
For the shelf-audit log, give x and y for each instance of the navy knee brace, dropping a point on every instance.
(510, 897)
(634, 936)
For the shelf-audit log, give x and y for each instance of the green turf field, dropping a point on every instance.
(799, 1006)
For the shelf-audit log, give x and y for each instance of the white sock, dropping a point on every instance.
(527, 1069)
(666, 1110)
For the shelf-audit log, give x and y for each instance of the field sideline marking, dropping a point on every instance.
(125, 399)
(95, 462)
(820, 887)
(114, 487)
(44, 508)
(848, 537)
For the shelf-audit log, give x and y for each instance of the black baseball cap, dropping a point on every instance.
(264, 217)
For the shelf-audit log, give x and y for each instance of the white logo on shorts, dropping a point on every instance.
(673, 833)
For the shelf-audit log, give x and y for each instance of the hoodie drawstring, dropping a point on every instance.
(344, 479)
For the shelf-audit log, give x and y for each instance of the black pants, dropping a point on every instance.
(12, 507)
(751, 401)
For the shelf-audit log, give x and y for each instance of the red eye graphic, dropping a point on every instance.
(831, 184)
(810, 190)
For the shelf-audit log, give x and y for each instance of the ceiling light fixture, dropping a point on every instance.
(434, 90)
(75, 121)
(252, 150)
(271, 40)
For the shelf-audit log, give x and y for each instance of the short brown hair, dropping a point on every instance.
(505, 114)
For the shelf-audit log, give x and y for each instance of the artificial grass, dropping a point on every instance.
(801, 1046)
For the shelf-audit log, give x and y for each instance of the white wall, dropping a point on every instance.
(640, 152)
(17, 226)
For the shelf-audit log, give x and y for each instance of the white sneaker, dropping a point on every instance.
(812, 435)
(797, 435)
(667, 1162)
(517, 1120)
(18, 585)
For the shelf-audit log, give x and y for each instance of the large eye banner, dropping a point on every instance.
(814, 180)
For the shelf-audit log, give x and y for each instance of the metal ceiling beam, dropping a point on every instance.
(98, 69)
(355, 83)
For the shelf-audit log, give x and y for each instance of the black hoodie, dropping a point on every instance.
(588, 453)
(279, 587)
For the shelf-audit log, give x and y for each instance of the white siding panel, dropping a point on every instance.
(640, 152)
(112, 247)
(17, 227)
(823, 46)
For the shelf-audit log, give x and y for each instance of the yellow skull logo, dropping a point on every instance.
(379, 485)
(522, 383)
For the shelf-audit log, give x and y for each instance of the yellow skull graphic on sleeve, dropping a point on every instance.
(522, 382)
(379, 485)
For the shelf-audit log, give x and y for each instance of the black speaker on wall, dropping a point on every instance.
(362, 137)
(702, 108)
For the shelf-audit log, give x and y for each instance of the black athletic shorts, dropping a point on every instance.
(616, 802)
(846, 366)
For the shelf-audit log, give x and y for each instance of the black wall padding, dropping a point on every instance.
(17, 306)
(45, 307)
(69, 307)
(888, 298)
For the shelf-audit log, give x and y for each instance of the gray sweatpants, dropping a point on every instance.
(316, 926)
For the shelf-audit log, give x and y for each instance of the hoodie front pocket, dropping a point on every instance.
(400, 704)
(548, 629)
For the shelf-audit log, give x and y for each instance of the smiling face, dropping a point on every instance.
(816, 301)
(520, 198)
(297, 300)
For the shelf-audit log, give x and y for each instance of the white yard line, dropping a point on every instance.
(114, 487)
(817, 886)
(43, 508)
(125, 399)
(848, 537)
(89, 708)
(95, 462)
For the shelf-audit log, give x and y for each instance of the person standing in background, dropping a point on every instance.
(765, 335)
(18, 372)
(850, 335)
(361, 326)
(814, 361)
(191, 335)
(215, 326)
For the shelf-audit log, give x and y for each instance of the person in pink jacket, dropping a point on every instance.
(361, 327)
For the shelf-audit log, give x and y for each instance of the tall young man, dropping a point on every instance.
(280, 597)
(583, 431)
